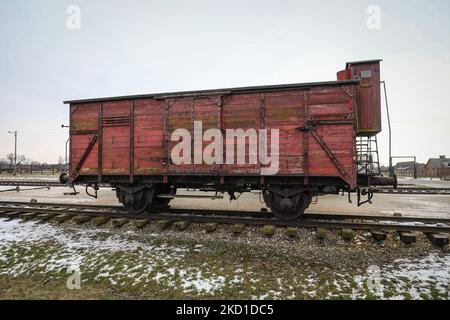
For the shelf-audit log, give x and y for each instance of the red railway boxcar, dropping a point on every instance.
(292, 141)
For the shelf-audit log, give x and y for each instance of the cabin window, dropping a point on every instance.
(366, 74)
(366, 78)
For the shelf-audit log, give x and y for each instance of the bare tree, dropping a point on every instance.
(21, 159)
(3, 164)
(10, 159)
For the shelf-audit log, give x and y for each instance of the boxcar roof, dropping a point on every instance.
(270, 88)
(362, 62)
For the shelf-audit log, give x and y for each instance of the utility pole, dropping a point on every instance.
(15, 149)
(391, 168)
(68, 140)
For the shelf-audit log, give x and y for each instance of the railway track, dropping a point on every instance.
(310, 220)
(412, 190)
(38, 183)
(401, 190)
(24, 183)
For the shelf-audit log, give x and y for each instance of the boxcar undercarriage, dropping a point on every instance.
(287, 196)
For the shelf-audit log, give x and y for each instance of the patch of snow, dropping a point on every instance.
(171, 271)
(159, 276)
(202, 284)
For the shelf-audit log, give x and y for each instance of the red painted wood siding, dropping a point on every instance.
(148, 136)
(154, 119)
(83, 126)
(116, 137)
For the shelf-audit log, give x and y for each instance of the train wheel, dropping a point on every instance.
(288, 203)
(137, 202)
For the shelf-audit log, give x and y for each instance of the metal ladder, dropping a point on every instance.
(367, 155)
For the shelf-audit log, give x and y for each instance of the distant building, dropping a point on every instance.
(438, 168)
(421, 172)
(405, 169)
(384, 170)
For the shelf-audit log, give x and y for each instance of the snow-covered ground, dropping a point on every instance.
(30, 177)
(424, 182)
(89, 249)
(122, 258)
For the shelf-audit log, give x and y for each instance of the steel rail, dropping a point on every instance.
(414, 191)
(30, 183)
(56, 204)
(66, 207)
(390, 191)
(42, 183)
(306, 222)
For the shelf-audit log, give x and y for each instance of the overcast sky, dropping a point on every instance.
(137, 47)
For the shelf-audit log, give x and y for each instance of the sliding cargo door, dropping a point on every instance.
(149, 157)
(241, 123)
(194, 116)
(285, 111)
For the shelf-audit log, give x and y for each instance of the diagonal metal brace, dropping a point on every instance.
(83, 157)
(330, 155)
(311, 128)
